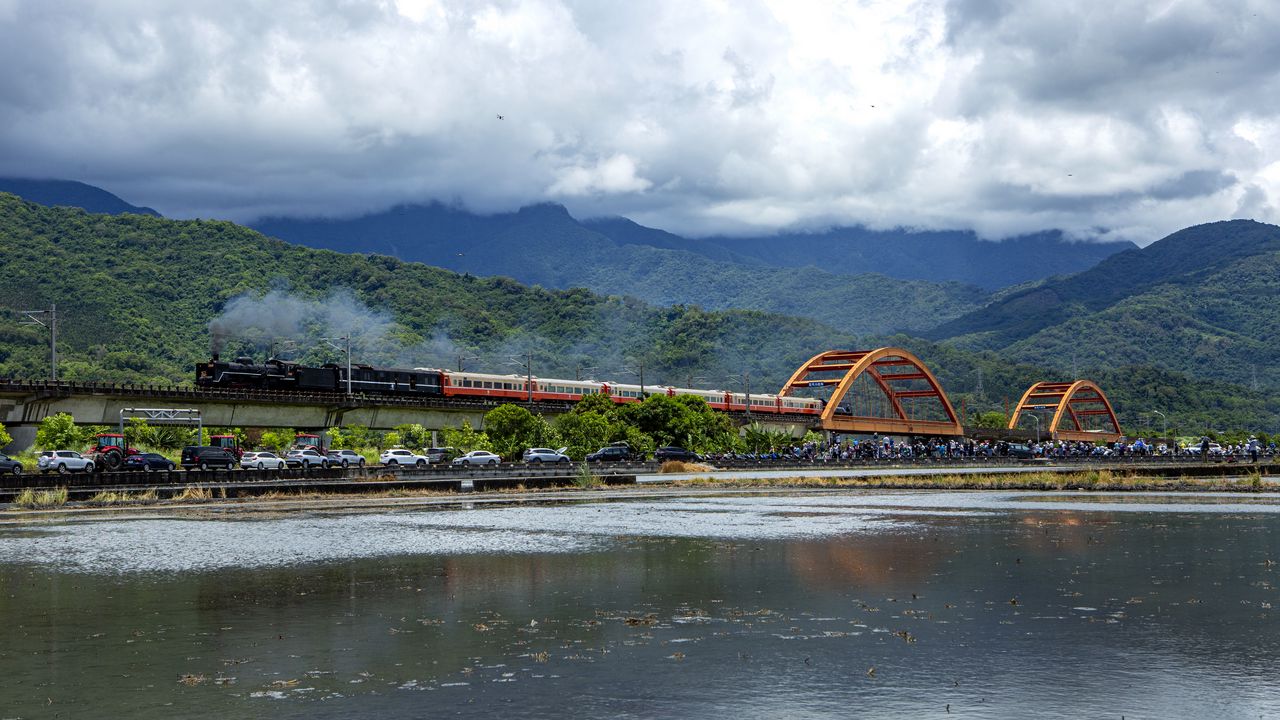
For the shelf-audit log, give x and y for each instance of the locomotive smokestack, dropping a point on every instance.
(215, 357)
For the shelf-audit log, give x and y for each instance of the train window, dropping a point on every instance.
(488, 384)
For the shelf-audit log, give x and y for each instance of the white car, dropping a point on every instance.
(262, 461)
(64, 461)
(399, 456)
(477, 457)
(306, 459)
(541, 455)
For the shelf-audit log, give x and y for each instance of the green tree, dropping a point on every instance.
(413, 435)
(169, 437)
(59, 432)
(583, 432)
(512, 428)
(466, 438)
(5, 437)
(992, 419)
(278, 440)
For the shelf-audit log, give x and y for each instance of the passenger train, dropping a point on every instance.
(276, 374)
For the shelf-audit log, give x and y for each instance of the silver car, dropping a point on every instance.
(541, 455)
(345, 458)
(63, 461)
(477, 457)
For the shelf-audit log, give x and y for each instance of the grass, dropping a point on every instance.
(194, 493)
(585, 478)
(679, 466)
(30, 499)
(111, 497)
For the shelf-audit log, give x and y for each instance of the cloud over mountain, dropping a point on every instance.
(699, 117)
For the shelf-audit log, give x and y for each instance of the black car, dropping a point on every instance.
(612, 453)
(1021, 451)
(672, 452)
(207, 457)
(147, 462)
(10, 466)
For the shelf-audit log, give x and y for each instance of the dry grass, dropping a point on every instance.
(194, 493)
(680, 466)
(30, 499)
(110, 497)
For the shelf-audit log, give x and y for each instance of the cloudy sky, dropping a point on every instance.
(1136, 118)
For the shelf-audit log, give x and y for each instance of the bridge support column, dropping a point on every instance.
(24, 436)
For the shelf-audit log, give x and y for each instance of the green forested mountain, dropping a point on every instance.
(1202, 301)
(136, 295)
(544, 245)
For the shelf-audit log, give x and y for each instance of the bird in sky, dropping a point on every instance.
(499, 117)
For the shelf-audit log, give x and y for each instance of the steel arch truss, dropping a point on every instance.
(1081, 403)
(896, 372)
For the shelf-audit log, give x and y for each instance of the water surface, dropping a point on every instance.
(802, 604)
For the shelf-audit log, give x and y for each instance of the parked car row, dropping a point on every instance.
(204, 457)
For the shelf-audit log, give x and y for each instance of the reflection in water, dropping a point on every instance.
(756, 607)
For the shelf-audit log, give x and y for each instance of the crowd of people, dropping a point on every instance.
(889, 448)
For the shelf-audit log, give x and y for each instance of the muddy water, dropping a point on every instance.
(760, 606)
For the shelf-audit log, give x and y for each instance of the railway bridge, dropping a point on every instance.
(886, 391)
(24, 405)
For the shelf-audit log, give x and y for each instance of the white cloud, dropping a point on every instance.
(693, 116)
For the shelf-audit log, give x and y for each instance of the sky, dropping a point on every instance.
(1110, 119)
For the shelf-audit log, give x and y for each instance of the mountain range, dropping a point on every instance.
(1197, 306)
(1204, 301)
(70, 193)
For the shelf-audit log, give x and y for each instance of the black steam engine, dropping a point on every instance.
(274, 374)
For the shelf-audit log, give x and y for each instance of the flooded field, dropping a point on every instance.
(801, 604)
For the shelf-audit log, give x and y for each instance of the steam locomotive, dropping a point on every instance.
(275, 374)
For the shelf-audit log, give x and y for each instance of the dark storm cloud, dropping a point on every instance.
(700, 117)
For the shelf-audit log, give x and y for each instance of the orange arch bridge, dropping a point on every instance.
(1081, 403)
(912, 401)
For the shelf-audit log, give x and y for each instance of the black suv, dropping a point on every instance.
(612, 453)
(671, 452)
(207, 457)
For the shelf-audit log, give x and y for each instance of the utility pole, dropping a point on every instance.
(690, 378)
(463, 358)
(638, 370)
(527, 363)
(977, 392)
(577, 371)
(745, 381)
(347, 340)
(33, 318)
